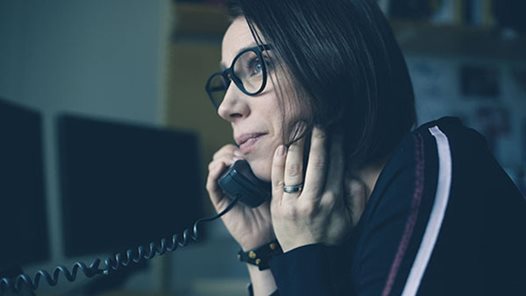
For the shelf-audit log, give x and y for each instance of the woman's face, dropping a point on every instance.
(257, 121)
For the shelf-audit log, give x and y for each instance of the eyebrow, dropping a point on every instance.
(251, 45)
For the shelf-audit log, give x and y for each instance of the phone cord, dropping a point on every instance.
(112, 263)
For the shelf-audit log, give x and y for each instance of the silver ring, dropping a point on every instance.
(293, 188)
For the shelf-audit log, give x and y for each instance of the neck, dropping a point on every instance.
(360, 185)
(368, 176)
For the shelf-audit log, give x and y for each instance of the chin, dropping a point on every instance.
(261, 168)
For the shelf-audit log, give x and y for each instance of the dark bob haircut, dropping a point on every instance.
(343, 55)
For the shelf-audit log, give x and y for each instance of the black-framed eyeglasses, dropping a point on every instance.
(248, 72)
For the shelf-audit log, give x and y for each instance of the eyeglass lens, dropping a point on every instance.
(247, 74)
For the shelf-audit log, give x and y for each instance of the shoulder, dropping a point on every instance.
(429, 216)
(417, 159)
(451, 133)
(441, 145)
(444, 164)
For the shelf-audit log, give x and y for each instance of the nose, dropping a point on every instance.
(234, 105)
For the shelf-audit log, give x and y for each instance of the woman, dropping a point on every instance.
(321, 106)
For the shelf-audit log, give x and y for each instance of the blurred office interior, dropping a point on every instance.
(140, 67)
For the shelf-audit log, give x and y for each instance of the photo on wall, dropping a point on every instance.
(494, 123)
(479, 81)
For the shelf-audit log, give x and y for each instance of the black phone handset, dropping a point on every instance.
(240, 182)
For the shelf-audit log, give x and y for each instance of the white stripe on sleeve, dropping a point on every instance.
(437, 214)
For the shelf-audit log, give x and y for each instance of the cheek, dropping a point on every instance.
(262, 168)
(270, 111)
(261, 162)
(293, 113)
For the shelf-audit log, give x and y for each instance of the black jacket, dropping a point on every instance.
(443, 219)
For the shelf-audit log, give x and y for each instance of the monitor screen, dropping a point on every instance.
(124, 185)
(23, 220)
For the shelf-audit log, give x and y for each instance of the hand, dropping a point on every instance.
(318, 213)
(250, 227)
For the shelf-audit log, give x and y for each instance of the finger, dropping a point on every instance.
(336, 168)
(227, 150)
(317, 165)
(278, 169)
(294, 164)
(215, 170)
(358, 199)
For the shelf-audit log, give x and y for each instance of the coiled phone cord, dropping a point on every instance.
(112, 263)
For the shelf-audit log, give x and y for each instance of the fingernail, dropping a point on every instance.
(318, 132)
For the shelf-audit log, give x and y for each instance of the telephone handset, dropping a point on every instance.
(240, 182)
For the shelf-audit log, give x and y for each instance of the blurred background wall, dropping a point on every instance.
(147, 62)
(97, 58)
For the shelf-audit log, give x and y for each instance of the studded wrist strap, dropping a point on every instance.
(261, 255)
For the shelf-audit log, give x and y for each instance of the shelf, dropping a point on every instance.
(201, 22)
(464, 41)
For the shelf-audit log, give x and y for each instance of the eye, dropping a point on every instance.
(255, 67)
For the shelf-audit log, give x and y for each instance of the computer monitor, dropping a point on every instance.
(124, 185)
(23, 220)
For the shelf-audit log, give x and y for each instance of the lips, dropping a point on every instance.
(246, 142)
